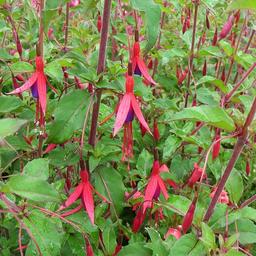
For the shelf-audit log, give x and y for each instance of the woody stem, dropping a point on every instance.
(100, 69)
(236, 153)
(191, 57)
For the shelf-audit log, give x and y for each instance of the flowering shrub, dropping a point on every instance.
(127, 127)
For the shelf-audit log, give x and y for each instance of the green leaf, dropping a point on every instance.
(213, 80)
(69, 116)
(234, 252)
(31, 188)
(21, 67)
(231, 240)
(170, 146)
(144, 162)
(156, 244)
(37, 168)
(54, 70)
(214, 116)
(188, 245)
(242, 4)
(152, 19)
(109, 239)
(208, 237)
(47, 232)
(9, 103)
(9, 126)
(109, 183)
(235, 186)
(135, 249)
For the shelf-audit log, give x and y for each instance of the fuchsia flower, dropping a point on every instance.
(138, 65)
(223, 198)
(37, 84)
(99, 22)
(174, 232)
(215, 37)
(196, 175)
(226, 28)
(204, 71)
(155, 185)
(127, 109)
(74, 3)
(216, 146)
(84, 192)
(189, 216)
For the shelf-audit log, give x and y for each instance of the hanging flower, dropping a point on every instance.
(216, 146)
(189, 216)
(248, 168)
(37, 84)
(215, 37)
(226, 28)
(127, 109)
(84, 192)
(99, 22)
(223, 198)
(155, 185)
(174, 232)
(74, 3)
(138, 65)
(196, 175)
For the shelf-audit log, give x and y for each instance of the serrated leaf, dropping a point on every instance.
(69, 116)
(38, 168)
(170, 146)
(31, 188)
(213, 80)
(214, 116)
(235, 186)
(208, 237)
(21, 67)
(109, 183)
(47, 232)
(9, 126)
(109, 239)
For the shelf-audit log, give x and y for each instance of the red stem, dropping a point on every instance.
(100, 69)
(191, 57)
(236, 153)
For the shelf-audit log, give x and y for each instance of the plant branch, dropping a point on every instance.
(100, 69)
(191, 57)
(248, 201)
(236, 153)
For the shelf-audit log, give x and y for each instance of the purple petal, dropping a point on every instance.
(137, 70)
(130, 116)
(34, 90)
(157, 192)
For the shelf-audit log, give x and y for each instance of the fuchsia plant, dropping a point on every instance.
(196, 118)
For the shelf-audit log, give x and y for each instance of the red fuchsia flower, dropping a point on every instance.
(226, 28)
(176, 232)
(99, 22)
(223, 198)
(215, 37)
(248, 168)
(182, 75)
(37, 84)
(216, 146)
(196, 175)
(127, 109)
(204, 71)
(118, 249)
(138, 220)
(188, 218)
(36, 5)
(84, 192)
(237, 17)
(74, 3)
(155, 185)
(138, 65)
